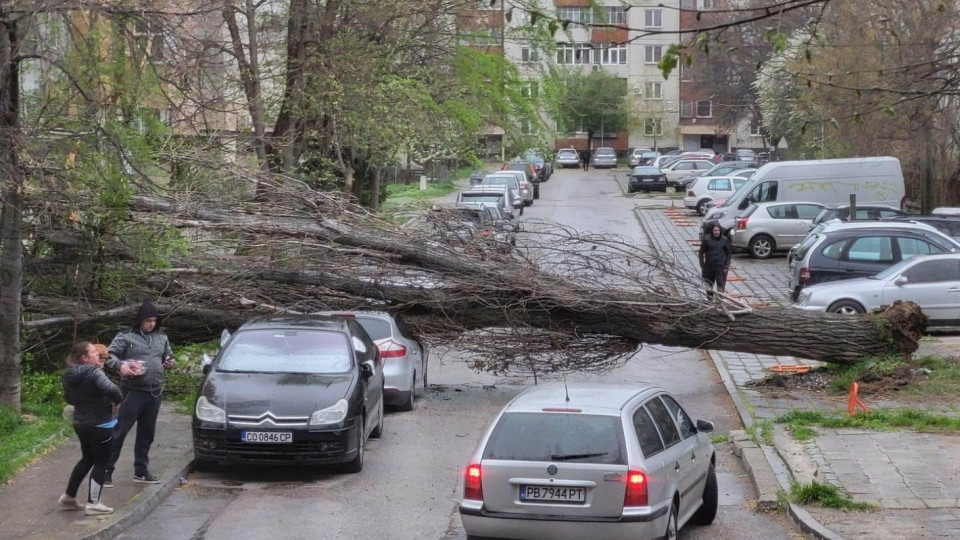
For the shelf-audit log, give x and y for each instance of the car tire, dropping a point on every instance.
(378, 431)
(355, 465)
(407, 404)
(761, 246)
(702, 206)
(708, 510)
(536, 192)
(673, 530)
(846, 307)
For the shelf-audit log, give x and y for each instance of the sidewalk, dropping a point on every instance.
(912, 478)
(28, 503)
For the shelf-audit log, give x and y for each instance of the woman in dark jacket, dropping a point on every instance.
(93, 396)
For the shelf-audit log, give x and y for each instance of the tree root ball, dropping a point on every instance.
(903, 325)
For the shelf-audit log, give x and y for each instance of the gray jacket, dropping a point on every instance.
(150, 349)
(91, 393)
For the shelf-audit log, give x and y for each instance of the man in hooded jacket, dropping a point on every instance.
(140, 354)
(715, 254)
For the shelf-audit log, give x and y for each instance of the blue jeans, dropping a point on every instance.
(141, 408)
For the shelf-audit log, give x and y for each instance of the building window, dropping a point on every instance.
(614, 15)
(577, 15)
(524, 18)
(653, 127)
(481, 36)
(687, 4)
(613, 54)
(653, 90)
(653, 18)
(150, 39)
(529, 89)
(706, 4)
(528, 55)
(754, 126)
(704, 109)
(686, 109)
(576, 53)
(652, 53)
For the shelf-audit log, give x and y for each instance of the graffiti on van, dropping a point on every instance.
(879, 189)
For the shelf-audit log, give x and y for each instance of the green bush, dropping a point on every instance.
(42, 388)
(10, 420)
(183, 381)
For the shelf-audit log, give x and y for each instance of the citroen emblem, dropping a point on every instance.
(552, 469)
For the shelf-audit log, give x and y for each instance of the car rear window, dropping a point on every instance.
(481, 197)
(569, 437)
(605, 152)
(376, 328)
(805, 246)
(287, 351)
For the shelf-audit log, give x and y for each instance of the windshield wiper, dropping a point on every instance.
(564, 457)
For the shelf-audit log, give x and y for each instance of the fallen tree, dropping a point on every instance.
(562, 301)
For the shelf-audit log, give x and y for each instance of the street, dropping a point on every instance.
(411, 483)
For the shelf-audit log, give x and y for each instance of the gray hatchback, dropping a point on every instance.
(590, 461)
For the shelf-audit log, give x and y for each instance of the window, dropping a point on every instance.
(871, 249)
(529, 89)
(614, 15)
(738, 183)
(652, 126)
(706, 4)
(687, 429)
(664, 422)
(524, 19)
(653, 90)
(287, 351)
(755, 127)
(578, 53)
(552, 436)
(528, 55)
(376, 328)
(782, 211)
(808, 211)
(652, 53)
(613, 54)
(481, 36)
(149, 37)
(686, 109)
(685, 166)
(579, 15)
(687, 4)
(704, 109)
(647, 435)
(719, 184)
(933, 271)
(911, 247)
(834, 250)
(653, 18)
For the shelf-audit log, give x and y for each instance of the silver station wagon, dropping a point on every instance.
(590, 461)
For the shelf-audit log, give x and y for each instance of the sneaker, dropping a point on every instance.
(145, 478)
(67, 502)
(108, 479)
(97, 509)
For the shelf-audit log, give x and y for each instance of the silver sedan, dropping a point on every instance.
(932, 281)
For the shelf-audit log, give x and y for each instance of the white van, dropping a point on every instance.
(874, 180)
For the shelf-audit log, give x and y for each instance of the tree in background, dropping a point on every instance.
(595, 103)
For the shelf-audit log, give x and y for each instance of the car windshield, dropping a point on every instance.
(805, 246)
(575, 438)
(893, 270)
(500, 181)
(280, 350)
(605, 152)
(647, 170)
(480, 197)
(568, 153)
(376, 327)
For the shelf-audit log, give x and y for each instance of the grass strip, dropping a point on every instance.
(24, 437)
(877, 419)
(825, 495)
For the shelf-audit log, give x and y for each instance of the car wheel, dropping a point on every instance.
(702, 206)
(407, 404)
(536, 192)
(846, 307)
(708, 510)
(355, 465)
(761, 246)
(378, 431)
(672, 529)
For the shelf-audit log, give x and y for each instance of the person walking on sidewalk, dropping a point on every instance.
(144, 352)
(94, 398)
(585, 158)
(715, 254)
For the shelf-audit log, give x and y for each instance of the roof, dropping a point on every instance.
(840, 226)
(318, 322)
(588, 397)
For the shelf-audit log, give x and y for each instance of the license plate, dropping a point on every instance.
(563, 495)
(282, 437)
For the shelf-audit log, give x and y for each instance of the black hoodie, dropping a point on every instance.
(91, 393)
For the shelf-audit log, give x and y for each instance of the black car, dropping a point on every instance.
(291, 390)
(948, 225)
(646, 178)
(869, 211)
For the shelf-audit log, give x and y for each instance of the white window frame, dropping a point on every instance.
(653, 18)
(686, 109)
(614, 15)
(652, 54)
(611, 55)
(709, 104)
(529, 89)
(653, 127)
(532, 55)
(575, 14)
(706, 4)
(575, 54)
(653, 90)
(756, 127)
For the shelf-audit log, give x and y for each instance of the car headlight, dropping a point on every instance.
(208, 412)
(333, 414)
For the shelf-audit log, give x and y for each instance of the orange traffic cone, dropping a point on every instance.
(853, 400)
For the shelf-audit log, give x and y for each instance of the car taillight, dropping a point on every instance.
(391, 349)
(636, 493)
(472, 484)
(804, 275)
(690, 193)
(742, 224)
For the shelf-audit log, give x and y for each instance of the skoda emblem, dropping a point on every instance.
(552, 470)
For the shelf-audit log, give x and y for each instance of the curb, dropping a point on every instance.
(809, 525)
(147, 500)
(759, 469)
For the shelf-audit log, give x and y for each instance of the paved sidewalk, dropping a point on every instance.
(913, 478)
(28, 503)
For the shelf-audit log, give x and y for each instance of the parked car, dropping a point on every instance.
(874, 212)
(932, 281)
(845, 250)
(530, 171)
(590, 461)
(745, 154)
(475, 227)
(291, 390)
(603, 158)
(947, 224)
(502, 196)
(709, 188)
(568, 157)
(543, 166)
(476, 177)
(768, 227)
(720, 169)
(636, 155)
(521, 189)
(646, 179)
(684, 167)
(528, 190)
(404, 357)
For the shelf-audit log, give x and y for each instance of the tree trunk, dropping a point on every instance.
(11, 246)
(375, 189)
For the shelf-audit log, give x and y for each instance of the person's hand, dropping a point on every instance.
(168, 362)
(130, 369)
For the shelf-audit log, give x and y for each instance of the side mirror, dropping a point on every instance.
(207, 362)
(366, 369)
(704, 426)
(901, 281)
(224, 336)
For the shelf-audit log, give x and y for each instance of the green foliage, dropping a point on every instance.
(876, 419)
(801, 432)
(717, 439)
(594, 102)
(183, 380)
(24, 437)
(825, 495)
(761, 432)
(44, 388)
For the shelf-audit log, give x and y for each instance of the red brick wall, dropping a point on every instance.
(572, 3)
(608, 35)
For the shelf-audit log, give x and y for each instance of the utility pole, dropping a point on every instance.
(926, 202)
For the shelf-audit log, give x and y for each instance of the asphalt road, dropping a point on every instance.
(411, 479)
